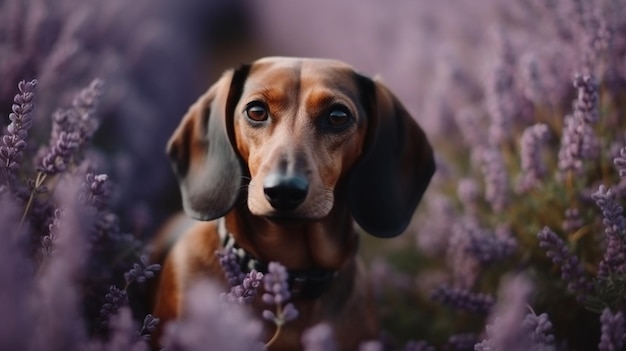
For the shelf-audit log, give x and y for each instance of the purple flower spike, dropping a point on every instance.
(59, 156)
(141, 271)
(496, 178)
(614, 260)
(620, 162)
(539, 328)
(13, 143)
(245, 292)
(230, 265)
(533, 167)
(586, 103)
(571, 269)
(275, 283)
(463, 299)
(612, 337)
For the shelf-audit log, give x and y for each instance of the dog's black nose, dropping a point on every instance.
(285, 191)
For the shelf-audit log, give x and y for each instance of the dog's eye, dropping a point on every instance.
(338, 118)
(257, 113)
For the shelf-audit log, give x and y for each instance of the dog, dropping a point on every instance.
(283, 156)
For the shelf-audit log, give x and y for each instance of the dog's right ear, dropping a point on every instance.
(208, 169)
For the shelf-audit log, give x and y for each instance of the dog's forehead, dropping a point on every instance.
(285, 72)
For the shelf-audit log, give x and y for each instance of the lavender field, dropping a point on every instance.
(520, 243)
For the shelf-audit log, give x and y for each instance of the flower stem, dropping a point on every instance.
(41, 177)
(279, 321)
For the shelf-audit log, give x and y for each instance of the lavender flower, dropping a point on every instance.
(59, 156)
(11, 152)
(620, 162)
(586, 103)
(572, 221)
(47, 242)
(115, 299)
(141, 271)
(499, 93)
(149, 325)
(319, 338)
(577, 144)
(534, 89)
(230, 265)
(505, 332)
(571, 270)
(539, 328)
(204, 323)
(488, 248)
(276, 286)
(614, 260)
(533, 167)
(578, 141)
(463, 299)
(612, 337)
(124, 334)
(95, 192)
(496, 178)
(245, 292)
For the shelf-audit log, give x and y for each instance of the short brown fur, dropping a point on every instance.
(319, 233)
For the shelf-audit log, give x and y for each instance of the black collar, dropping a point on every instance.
(307, 284)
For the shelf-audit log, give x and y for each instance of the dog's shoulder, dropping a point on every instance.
(188, 247)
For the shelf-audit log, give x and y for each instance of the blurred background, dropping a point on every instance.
(474, 74)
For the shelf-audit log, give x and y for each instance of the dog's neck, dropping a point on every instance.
(298, 245)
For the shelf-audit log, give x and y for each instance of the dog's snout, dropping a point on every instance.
(285, 191)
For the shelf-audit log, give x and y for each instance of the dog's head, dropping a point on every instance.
(293, 132)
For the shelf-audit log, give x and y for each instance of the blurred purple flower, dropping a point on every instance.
(539, 328)
(95, 192)
(614, 260)
(533, 89)
(149, 325)
(58, 158)
(505, 331)
(496, 178)
(114, 300)
(123, 335)
(586, 103)
(572, 271)
(206, 324)
(14, 142)
(463, 299)
(612, 336)
(488, 247)
(276, 286)
(468, 192)
(230, 265)
(141, 271)
(578, 140)
(620, 162)
(533, 166)
(319, 338)
(245, 292)
(500, 94)
(572, 221)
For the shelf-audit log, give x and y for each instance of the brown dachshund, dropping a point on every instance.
(288, 153)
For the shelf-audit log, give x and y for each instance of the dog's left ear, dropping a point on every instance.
(388, 182)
